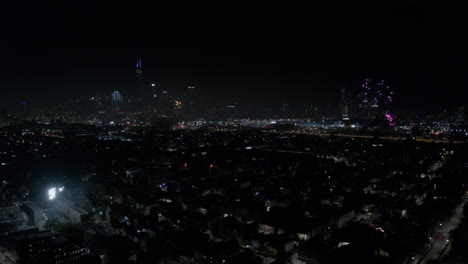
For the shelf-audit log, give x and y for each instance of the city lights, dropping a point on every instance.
(52, 193)
(324, 135)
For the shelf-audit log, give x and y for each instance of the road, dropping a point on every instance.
(441, 246)
(5, 257)
(388, 138)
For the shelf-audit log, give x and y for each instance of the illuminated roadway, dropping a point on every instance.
(368, 136)
(440, 246)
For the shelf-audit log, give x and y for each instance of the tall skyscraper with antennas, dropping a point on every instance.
(139, 70)
(139, 91)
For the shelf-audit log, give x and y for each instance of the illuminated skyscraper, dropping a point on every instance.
(139, 70)
(116, 97)
(116, 100)
(139, 93)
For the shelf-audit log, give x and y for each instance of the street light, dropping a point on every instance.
(52, 193)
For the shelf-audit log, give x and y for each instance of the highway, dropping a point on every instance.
(418, 139)
(441, 246)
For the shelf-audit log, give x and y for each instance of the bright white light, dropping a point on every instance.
(52, 193)
(61, 188)
(342, 244)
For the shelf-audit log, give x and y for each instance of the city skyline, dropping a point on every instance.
(233, 132)
(244, 53)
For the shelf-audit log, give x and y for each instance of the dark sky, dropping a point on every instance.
(253, 51)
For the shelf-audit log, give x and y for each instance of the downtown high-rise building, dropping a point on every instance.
(116, 97)
(139, 91)
(345, 104)
(139, 70)
(191, 104)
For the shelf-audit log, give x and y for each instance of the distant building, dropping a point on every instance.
(192, 106)
(313, 112)
(4, 116)
(155, 93)
(35, 213)
(34, 246)
(139, 70)
(231, 111)
(68, 209)
(345, 104)
(165, 108)
(116, 97)
(285, 110)
(459, 115)
(140, 92)
(11, 219)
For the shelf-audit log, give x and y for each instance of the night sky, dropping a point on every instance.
(253, 53)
